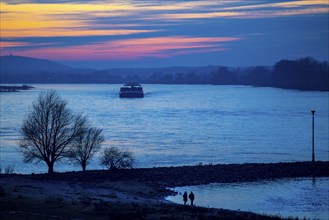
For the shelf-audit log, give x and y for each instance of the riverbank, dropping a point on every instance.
(134, 193)
(200, 174)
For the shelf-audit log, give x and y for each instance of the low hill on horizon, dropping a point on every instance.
(13, 64)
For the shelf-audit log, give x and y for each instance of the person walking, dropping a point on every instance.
(185, 197)
(191, 197)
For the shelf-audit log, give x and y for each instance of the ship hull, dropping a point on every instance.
(131, 95)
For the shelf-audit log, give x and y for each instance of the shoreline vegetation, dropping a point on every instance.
(135, 193)
(300, 74)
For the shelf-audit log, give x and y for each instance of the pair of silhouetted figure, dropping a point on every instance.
(191, 197)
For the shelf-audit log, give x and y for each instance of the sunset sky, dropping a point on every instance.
(155, 33)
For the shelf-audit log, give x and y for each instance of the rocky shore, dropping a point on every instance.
(133, 193)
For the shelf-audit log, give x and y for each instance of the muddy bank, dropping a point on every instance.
(203, 174)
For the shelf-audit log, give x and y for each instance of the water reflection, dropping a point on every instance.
(302, 197)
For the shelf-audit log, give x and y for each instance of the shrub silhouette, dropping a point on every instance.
(113, 158)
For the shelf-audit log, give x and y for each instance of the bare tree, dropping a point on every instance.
(86, 144)
(48, 130)
(113, 158)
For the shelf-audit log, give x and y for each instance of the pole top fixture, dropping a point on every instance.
(313, 111)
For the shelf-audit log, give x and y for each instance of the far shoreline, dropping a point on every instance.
(178, 84)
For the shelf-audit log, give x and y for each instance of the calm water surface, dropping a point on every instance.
(304, 197)
(184, 124)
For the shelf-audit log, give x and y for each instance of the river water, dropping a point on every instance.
(301, 197)
(184, 124)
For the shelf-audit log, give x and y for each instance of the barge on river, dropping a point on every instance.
(131, 90)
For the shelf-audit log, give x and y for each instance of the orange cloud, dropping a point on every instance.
(14, 44)
(265, 10)
(60, 32)
(80, 19)
(52, 20)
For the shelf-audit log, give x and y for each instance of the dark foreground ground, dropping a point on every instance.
(134, 193)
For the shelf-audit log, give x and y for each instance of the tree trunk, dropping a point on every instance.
(83, 166)
(50, 167)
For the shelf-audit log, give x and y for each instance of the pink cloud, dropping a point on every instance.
(160, 47)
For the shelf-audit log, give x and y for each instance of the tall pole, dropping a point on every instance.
(313, 156)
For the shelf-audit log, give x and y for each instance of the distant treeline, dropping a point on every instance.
(304, 74)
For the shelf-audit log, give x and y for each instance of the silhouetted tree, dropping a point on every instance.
(167, 78)
(113, 158)
(86, 144)
(180, 78)
(48, 130)
(224, 77)
(192, 78)
(133, 78)
(305, 73)
(258, 76)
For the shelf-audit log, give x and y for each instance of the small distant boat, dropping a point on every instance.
(131, 90)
